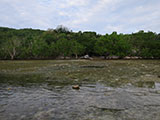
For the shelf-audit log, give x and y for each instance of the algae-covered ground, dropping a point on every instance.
(109, 90)
(112, 73)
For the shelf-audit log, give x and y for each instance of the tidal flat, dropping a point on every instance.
(109, 90)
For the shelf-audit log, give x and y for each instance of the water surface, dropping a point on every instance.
(109, 90)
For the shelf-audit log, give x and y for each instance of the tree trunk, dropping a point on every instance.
(12, 53)
(12, 57)
(64, 57)
(76, 56)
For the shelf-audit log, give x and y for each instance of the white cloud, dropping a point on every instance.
(98, 15)
(88, 14)
(75, 3)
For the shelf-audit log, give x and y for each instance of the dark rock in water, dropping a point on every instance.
(114, 110)
(93, 66)
(158, 76)
(76, 87)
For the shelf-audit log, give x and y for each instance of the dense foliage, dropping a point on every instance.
(61, 42)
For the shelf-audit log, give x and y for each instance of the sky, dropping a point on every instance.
(101, 16)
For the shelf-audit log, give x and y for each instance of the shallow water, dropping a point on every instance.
(109, 90)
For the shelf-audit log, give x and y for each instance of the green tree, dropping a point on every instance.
(102, 46)
(53, 50)
(64, 47)
(62, 29)
(11, 47)
(77, 48)
(40, 48)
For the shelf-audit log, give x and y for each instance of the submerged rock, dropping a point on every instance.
(76, 87)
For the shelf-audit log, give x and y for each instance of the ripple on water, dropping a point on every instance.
(108, 96)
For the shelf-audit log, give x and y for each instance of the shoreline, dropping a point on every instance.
(91, 58)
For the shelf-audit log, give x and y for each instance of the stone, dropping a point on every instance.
(113, 57)
(127, 58)
(9, 88)
(86, 57)
(76, 87)
(134, 57)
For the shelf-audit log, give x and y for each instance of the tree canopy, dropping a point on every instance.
(52, 43)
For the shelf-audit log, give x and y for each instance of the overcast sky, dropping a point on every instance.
(102, 16)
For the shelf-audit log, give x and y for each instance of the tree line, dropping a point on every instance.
(53, 43)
